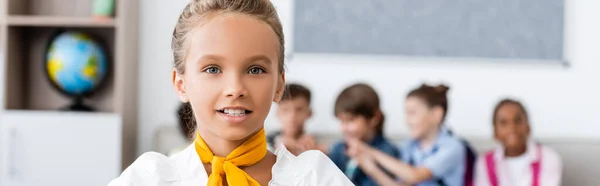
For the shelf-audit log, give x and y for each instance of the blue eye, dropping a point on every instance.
(212, 70)
(256, 70)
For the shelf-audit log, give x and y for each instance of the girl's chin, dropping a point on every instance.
(233, 133)
(515, 144)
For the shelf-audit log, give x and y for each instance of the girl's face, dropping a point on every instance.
(511, 127)
(421, 119)
(231, 75)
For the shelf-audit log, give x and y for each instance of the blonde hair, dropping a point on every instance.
(199, 11)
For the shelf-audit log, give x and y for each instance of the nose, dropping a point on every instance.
(293, 116)
(512, 127)
(235, 87)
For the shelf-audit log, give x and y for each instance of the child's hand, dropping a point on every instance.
(307, 142)
(356, 148)
(359, 151)
(292, 146)
(367, 163)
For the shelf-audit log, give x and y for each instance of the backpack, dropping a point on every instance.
(470, 157)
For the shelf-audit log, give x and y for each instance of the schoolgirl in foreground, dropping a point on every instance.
(228, 58)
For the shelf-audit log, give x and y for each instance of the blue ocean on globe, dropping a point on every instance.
(76, 64)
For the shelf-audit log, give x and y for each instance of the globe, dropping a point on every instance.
(76, 64)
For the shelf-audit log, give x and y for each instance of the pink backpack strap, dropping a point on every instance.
(536, 166)
(491, 168)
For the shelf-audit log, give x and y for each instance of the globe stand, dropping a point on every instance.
(78, 106)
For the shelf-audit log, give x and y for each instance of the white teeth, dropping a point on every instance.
(235, 112)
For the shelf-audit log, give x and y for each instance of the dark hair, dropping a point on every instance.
(293, 91)
(187, 123)
(361, 100)
(508, 102)
(433, 96)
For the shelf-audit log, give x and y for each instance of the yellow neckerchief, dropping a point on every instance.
(247, 154)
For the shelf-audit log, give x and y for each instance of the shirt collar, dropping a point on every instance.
(188, 164)
(443, 133)
(531, 152)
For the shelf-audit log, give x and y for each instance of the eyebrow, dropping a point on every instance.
(210, 57)
(250, 59)
(259, 58)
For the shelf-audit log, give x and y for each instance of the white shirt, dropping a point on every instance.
(517, 167)
(517, 171)
(185, 168)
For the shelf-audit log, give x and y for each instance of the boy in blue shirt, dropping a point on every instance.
(358, 110)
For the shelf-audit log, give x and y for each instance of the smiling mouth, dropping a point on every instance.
(235, 111)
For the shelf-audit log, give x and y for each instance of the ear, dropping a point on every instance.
(179, 85)
(373, 122)
(438, 113)
(280, 88)
(310, 112)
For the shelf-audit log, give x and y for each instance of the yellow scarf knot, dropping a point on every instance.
(250, 152)
(217, 165)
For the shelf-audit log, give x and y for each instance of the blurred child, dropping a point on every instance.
(519, 161)
(359, 113)
(293, 111)
(432, 155)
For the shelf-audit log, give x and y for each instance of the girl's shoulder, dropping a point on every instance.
(152, 168)
(146, 166)
(312, 166)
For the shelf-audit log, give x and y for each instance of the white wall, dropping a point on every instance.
(563, 102)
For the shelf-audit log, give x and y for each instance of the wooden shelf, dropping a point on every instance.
(26, 28)
(57, 21)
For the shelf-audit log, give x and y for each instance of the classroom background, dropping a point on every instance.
(137, 107)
